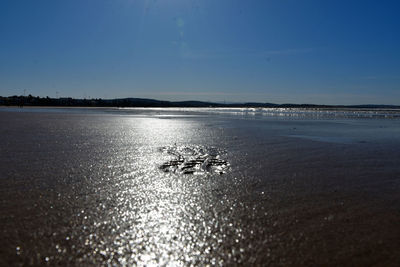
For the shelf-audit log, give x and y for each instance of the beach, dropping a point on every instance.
(93, 187)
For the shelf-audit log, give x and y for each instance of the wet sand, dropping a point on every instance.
(98, 187)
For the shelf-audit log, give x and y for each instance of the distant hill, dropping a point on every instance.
(144, 102)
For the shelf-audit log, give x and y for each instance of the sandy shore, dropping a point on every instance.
(89, 188)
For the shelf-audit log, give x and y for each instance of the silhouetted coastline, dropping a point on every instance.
(30, 100)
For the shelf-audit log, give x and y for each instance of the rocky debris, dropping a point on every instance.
(194, 160)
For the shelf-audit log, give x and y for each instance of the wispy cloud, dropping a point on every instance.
(189, 53)
(380, 77)
(369, 78)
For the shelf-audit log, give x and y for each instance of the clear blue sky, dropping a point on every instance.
(328, 52)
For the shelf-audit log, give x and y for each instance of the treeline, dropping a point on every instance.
(97, 102)
(30, 100)
(46, 101)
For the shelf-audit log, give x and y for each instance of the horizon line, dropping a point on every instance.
(219, 103)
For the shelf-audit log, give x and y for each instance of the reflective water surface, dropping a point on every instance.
(192, 188)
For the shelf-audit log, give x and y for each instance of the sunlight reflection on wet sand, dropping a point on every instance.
(159, 217)
(91, 189)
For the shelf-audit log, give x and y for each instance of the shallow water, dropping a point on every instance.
(195, 186)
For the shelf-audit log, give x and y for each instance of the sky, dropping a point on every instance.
(279, 51)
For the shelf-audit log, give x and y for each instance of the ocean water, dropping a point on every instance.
(179, 186)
